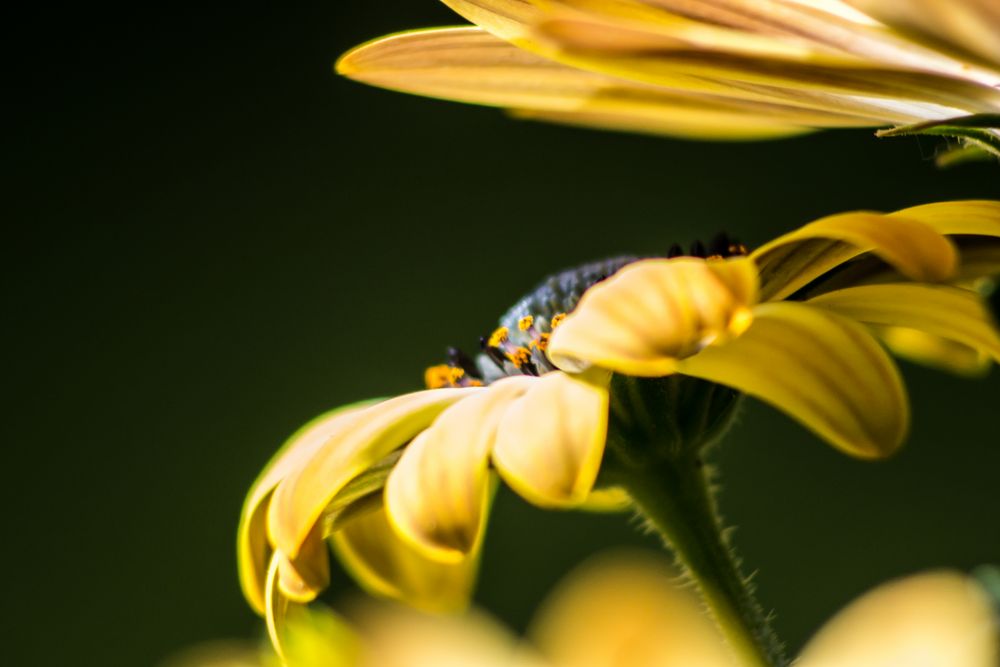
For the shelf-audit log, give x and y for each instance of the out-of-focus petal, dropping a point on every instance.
(823, 370)
(398, 637)
(300, 498)
(950, 313)
(253, 550)
(388, 566)
(913, 247)
(627, 612)
(963, 26)
(550, 441)
(938, 619)
(437, 494)
(469, 65)
(934, 351)
(654, 312)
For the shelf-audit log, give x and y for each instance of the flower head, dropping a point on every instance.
(616, 355)
(707, 68)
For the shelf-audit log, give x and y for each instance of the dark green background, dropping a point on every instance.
(211, 239)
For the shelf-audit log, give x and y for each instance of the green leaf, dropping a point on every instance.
(979, 131)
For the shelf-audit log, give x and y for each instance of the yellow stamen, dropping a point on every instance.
(557, 320)
(525, 322)
(519, 356)
(436, 377)
(455, 374)
(711, 257)
(498, 337)
(738, 249)
(475, 383)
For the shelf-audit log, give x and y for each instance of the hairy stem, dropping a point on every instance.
(675, 497)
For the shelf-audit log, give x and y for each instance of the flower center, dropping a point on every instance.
(518, 345)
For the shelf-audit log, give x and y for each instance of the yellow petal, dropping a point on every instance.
(962, 26)
(386, 565)
(937, 619)
(302, 637)
(950, 313)
(469, 65)
(300, 498)
(975, 224)
(303, 578)
(934, 351)
(253, 550)
(697, 122)
(550, 442)
(817, 57)
(973, 216)
(608, 499)
(914, 248)
(659, 59)
(437, 494)
(654, 312)
(821, 369)
(276, 606)
(400, 637)
(626, 611)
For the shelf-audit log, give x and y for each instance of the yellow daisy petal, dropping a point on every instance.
(469, 65)
(821, 369)
(300, 498)
(386, 565)
(938, 619)
(303, 578)
(913, 247)
(950, 313)
(964, 26)
(627, 611)
(934, 351)
(437, 494)
(973, 216)
(611, 499)
(253, 550)
(654, 312)
(550, 442)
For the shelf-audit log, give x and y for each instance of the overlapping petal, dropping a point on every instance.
(910, 245)
(386, 565)
(469, 65)
(949, 313)
(823, 370)
(437, 495)
(934, 351)
(785, 66)
(300, 499)
(253, 550)
(965, 27)
(550, 442)
(654, 312)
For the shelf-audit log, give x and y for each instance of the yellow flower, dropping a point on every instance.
(401, 487)
(706, 68)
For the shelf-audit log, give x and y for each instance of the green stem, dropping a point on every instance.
(676, 499)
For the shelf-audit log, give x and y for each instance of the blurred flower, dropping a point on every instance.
(402, 487)
(629, 612)
(706, 68)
